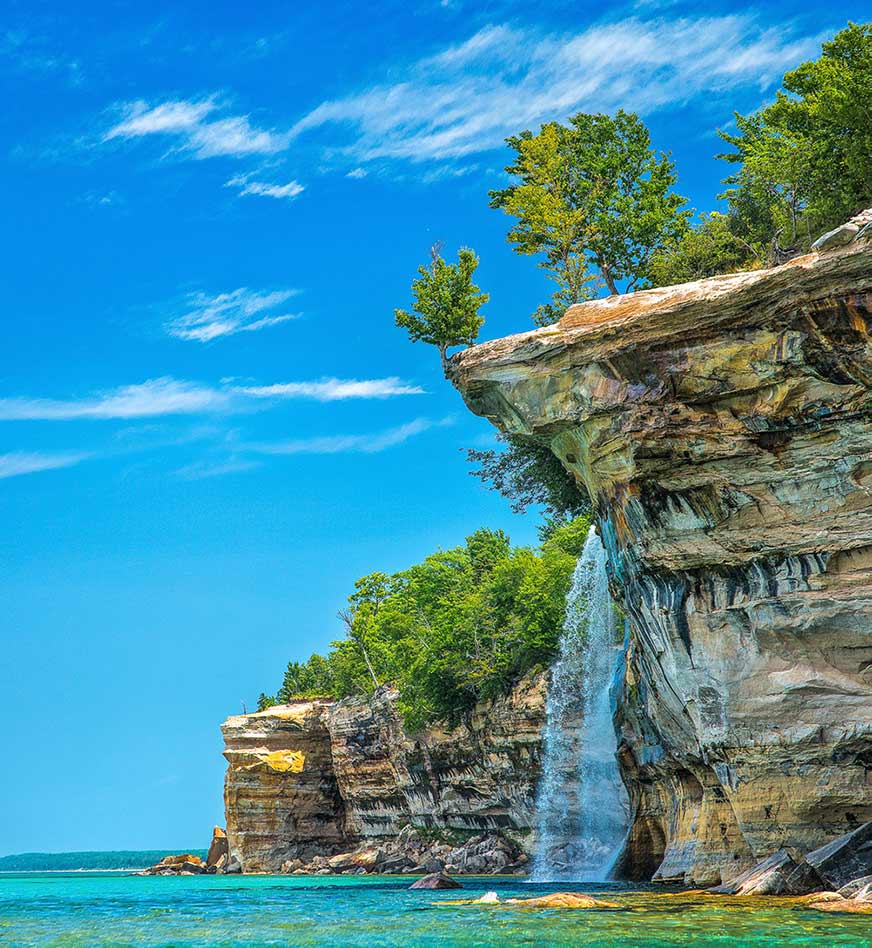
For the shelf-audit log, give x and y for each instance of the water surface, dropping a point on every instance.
(86, 909)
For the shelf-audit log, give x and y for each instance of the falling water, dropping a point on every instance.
(581, 805)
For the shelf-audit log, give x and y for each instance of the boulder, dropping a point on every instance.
(846, 858)
(219, 846)
(783, 873)
(855, 886)
(435, 880)
(837, 237)
(340, 862)
(233, 867)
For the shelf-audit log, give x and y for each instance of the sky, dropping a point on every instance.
(209, 425)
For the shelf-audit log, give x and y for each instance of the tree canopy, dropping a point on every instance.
(446, 304)
(595, 200)
(461, 626)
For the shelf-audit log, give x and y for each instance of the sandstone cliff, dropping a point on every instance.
(316, 778)
(724, 431)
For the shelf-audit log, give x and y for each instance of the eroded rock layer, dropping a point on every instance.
(317, 778)
(723, 429)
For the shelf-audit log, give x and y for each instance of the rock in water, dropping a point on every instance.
(436, 880)
(218, 847)
(782, 873)
(723, 429)
(563, 900)
(846, 858)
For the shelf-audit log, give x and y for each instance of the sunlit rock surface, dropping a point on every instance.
(320, 777)
(723, 430)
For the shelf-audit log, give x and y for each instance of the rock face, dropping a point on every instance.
(318, 778)
(724, 431)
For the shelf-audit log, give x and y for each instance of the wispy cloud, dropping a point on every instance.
(161, 396)
(195, 128)
(168, 396)
(371, 443)
(264, 189)
(200, 470)
(242, 310)
(470, 96)
(357, 173)
(333, 390)
(15, 463)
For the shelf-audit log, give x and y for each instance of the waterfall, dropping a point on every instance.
(581, 807)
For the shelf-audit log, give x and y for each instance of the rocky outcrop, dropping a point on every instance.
(319, 779)
(723, 429)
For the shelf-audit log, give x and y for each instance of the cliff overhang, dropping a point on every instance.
(723, 429)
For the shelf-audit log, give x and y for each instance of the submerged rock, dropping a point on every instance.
(563, 900)
(436, 880)
(723, 430)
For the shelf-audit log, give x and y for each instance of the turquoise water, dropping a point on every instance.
(85, 909)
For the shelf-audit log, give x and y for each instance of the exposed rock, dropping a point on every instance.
(855, 886)
(783, 873)
(183, 864)
(324, 778)
(723, 429)
(436, 880)
(218, 847)
(837, 237)
(233, 867)
(846, 858)
(562, 900)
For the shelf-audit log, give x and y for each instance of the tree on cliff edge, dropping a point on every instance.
(445, 310)
(595, 200)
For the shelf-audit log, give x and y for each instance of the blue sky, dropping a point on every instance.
(209, 426)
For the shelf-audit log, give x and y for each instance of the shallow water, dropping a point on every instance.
(87, 909)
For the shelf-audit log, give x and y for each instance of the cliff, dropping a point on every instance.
(320, 778)
(723, 431)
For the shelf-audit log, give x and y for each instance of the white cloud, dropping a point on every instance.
(242, 310)
(264, 189)
(161, 396)
(357, 173)
(331, 390)
(191, 124)
(168, 396)
(371, 443)
(200, 470)
(470, 96)
(28, 462)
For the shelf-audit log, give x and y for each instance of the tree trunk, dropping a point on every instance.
(605, 269)
(443, 356)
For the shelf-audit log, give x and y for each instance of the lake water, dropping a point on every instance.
(88, 909)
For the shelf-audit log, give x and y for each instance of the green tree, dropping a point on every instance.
(461, 626)
(527, 473)
(805, 161)
(592, 195)
(705, 250)
(446, 304)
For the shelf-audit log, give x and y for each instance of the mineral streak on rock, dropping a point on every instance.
(355, 776)
(722, 428)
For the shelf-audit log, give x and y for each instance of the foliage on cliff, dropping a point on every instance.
(445, 311)
(595, 200)
(459, 627)
(803, 164)
(528, 473)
